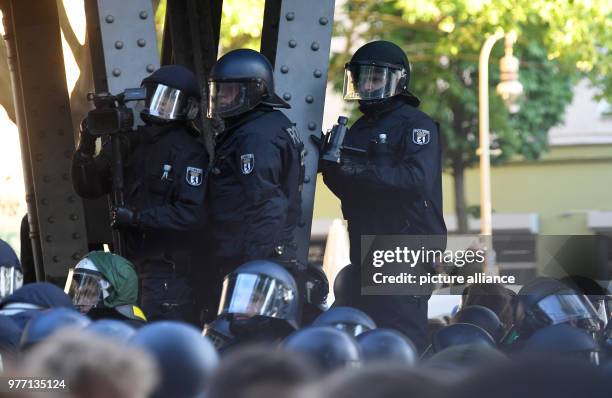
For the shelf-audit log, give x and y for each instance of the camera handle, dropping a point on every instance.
(117, 191)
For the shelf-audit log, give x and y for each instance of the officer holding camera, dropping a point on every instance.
(388, 176)
(163, 188)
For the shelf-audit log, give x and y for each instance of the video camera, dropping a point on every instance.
(111, 114)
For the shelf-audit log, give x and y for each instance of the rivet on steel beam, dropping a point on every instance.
(116, 72)
(317, 73)
(76, 235)
(143, 15)
(51, 219)
(292, 43)
(306, 179)
(56, 259)
(290, 16)
(109, 19)
(76, 256)
(284, 69)
(323, 21)
(118, 45)
(44, 201)
(314, 46)
(71, 199)
(141, 42)
(150, 68)
(287, 96)
(312, 126)
(309, 99)
(48, 238)
(74, 217)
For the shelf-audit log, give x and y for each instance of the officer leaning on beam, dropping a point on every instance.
(164, 189)
(396, 188)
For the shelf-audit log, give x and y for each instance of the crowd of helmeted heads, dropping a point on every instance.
(549, 339)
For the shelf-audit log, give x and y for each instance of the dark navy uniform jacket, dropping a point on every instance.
(398, 195)
(165, 182)
(254, 189)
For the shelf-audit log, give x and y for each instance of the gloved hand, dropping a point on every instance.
(352, 166)
(123, 217)
(87, 142)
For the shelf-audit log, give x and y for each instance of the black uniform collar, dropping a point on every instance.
(233, 123)
(378, 108)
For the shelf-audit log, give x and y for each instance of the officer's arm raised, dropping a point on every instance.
(91, 176)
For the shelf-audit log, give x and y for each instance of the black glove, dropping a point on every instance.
(352, 166)
(123, 217)
(87, 142)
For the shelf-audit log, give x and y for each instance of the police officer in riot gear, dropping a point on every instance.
(164, 189)
(254, 192)
(261, 302)
(397, 187)
(347, 319)
(105, 285)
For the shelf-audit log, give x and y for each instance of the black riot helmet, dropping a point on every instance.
(387, 345)
(378, 70)
(184, 357)
(481, 316)
(260, 289)
(173, 94)
(238, 82)
(347, 319)
(563, 341)
(112, 329)
(46, 323)
(327, 348)
(547, 301)
(460, 334)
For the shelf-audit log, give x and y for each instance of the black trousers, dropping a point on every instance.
(167, 291)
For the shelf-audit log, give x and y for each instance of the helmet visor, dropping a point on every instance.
(372, 82)
(168, 103)
(231, 98)
(251, 295)
(84, 288)
(11, 279)
(566, 308)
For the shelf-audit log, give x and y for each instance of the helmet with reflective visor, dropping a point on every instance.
(173, 93)
(86, 286)
(238, 82)
(377, 70)
(260, 289)
(11, 276)
(547, 301)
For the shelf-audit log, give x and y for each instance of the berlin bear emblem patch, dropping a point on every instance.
(194, 176)
(420, 136)
(247, 163)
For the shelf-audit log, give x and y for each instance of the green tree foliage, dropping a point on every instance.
(559, 43)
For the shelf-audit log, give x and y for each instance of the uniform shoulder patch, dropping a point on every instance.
(194, 176)
(247, 163)
(421, 136)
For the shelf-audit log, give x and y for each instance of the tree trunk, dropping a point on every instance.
(459, 188)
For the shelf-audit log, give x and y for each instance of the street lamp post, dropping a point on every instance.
(509, 89)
